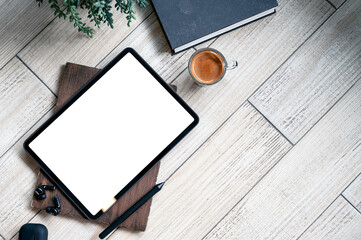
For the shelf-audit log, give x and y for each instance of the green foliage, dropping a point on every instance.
(98, 11)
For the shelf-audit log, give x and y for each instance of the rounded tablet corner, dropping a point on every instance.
(26, 147)
(196, 120)
(90, 216)
(25, 144)
(128, 49)
(95, 217)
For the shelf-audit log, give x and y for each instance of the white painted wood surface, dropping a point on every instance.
(316, 76)
(205, 44)
(257, 47)
(20, 21)
(18, 175)
(223, 170)
(353, 193)
(337, 3)
(339, 222)
(215, 178)
(59, 43)
(149, 40)
(63, 227)
(227, 98)
(301, 186)
(23, 101)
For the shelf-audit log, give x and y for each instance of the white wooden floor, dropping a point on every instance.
(277, 154)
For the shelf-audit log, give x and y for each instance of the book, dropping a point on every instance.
(187, 23)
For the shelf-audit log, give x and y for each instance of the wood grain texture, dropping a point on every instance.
(137, 222)
(353, 193)
(339, 222)
(337, 3)
(58, 43)
(63, 227)
(316, 76)
(205, 44)
(211, 181)
(23, 101)
(20, 21)
(260, 48)
(149, 41)
(301, 186)
(73, 78)
(17, 183)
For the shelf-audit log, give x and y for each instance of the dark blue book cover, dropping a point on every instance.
(190, 22)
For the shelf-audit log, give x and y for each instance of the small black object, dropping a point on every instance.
(33, 231)
(40, 191)
(54, 210)
(131, 210)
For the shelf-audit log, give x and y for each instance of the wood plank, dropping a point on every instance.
(340, 221)
(210, 182)
(353, 193)
(213, 180)
(315, 77)
(63, 227)
(257, 48)
(17, 183)
(23, 100)
(301, 186)
(21, 21)
(72, 79)
(337, 3)
(226, 97)
(205, 44)
(149, 41)
(60, 43)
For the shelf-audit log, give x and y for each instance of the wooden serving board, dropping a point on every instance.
(73, 78)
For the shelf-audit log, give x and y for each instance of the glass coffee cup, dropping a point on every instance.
(208, 66)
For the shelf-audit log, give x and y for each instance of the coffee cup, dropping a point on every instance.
(208, 66)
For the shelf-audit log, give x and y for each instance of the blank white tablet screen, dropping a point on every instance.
(105, 138)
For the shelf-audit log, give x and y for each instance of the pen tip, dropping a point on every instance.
(160, 185)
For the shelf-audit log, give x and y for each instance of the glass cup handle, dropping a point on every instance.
(231, 64)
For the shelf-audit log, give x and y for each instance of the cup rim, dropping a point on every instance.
(217, 52)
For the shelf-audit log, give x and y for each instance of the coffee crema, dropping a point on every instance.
(207, 67)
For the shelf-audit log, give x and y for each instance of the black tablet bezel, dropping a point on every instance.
(98, 76)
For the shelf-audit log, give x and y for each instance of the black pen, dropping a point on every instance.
(131, 210)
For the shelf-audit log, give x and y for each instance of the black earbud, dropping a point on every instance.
(54, 210)
(40, 191)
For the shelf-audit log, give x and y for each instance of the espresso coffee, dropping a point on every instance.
(207, 67)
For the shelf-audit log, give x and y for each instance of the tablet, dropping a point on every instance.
(114, 130)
